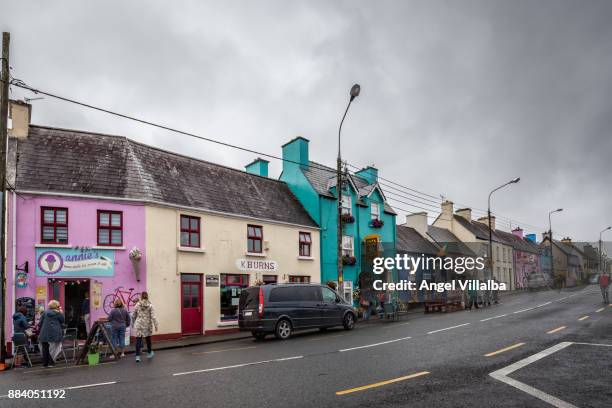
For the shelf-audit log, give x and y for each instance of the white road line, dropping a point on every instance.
(206, 370)
(374, 344)
(524, 310)
(600, 310)
(595, 344)
(544, 304)
(494, 317)
(502, 375)
(447, 328)
(76, 387)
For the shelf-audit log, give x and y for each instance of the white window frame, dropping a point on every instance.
(348, 245)
(347, 204)
(347, 289)
(374, 215)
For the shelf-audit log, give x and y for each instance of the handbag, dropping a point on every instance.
(29, 332)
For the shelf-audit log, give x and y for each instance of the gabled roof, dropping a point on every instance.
(409, 240)
(77, 162)
(480, 230)
(518, 243)
(445, 238)
(323, 178)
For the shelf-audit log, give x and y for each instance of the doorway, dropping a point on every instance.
(71, 294)
(191, 304)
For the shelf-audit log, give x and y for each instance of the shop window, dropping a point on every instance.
(190, 231)
(299, 279)
(254, 239)
(231, 286)
(374, 211)
(347, 207)
(347, 245)
(110, 228)
(54, 225)
(305, 244)
(267, 279)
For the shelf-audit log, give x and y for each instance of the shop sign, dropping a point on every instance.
(256, 265)
(74, 262)
(212, 280)
(21, 280)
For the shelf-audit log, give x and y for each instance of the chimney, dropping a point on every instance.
(518, 231)
(465, 213)
(370, 173)
(296, 151)
(418, 221)
(19, 119)
(258, 166)
(531, 238)
(485, 221)
(567, 240)
(545, 235)
(447, 210)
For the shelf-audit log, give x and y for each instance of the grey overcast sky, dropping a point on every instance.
(457, 96)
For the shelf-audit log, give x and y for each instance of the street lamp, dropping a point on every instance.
(354, 93)
(550, 237)
(602, 231)
(513, 181)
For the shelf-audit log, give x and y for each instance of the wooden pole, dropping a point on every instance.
(4, 85)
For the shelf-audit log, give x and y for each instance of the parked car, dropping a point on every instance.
(594, 279)
(284, 308)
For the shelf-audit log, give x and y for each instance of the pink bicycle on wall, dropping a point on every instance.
(128, 297)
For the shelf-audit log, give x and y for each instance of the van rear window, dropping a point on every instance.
(296, 294)
(249, 298)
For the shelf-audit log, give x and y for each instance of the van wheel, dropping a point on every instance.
(283, 329)
(349, 321)
(323, 329)
(259, 335)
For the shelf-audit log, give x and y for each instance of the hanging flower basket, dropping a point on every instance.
(135, 257)
(347, 219)
(332, 284)
(349, 260)
(377, 223)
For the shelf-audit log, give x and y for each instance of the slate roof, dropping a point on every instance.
(442, 237)
(409, 240)
(323, 178)
(479, 229)
(518, 243)
(71, 161)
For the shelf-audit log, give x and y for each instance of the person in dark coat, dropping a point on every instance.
(51, 330)
(120, 320)
(20, 321)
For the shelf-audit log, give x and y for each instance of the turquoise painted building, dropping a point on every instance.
(369, 228)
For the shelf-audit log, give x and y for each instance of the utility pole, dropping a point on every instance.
(550, 237)
(354, 93)
(6, 37)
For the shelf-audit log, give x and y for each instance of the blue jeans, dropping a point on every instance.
(118, 337)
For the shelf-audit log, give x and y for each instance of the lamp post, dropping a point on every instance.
(550, 237)
(513, 181)
(602, 231)
(354, 93)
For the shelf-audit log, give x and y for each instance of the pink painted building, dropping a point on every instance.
(63, 246)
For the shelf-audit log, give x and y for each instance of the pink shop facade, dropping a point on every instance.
(68, 248)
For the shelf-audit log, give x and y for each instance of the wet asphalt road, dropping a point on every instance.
(437, 360)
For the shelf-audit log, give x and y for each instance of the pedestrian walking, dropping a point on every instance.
(20, 321)
(51, 332)
(604, 285)
(495, 291)
(120, 320)
(144, 323)
(472, 298)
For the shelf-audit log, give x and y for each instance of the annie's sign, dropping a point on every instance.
(256, 265)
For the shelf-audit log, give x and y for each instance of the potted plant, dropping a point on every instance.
(93, 354)
(348, 260)
(377, 223)
(348, 219)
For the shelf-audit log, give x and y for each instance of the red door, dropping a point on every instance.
(191, 304)
(56, 292)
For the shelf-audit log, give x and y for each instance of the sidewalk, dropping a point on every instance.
(189, 341)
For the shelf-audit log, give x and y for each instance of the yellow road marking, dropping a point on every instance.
(556, 330)
(493, 353)
(223, 350)
(584, 318)
(600, 310)
(380, 384)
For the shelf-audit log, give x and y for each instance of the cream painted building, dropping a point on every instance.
(221, 265)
